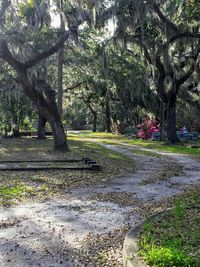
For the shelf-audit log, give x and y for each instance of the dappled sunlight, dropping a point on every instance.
(65, 207)
(114, 139)
(97, 136)
(56, 227)
(57, 182)
(43, 246)
(128, 73)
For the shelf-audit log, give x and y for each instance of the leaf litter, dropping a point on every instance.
(82, 219)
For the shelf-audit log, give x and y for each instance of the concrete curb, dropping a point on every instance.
(130, 247)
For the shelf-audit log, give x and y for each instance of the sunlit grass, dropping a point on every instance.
(111, 138)
(10, 194)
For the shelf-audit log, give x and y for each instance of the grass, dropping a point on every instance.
(19, 192)
(172, 239)
(110, 138)
(9, 192)
(16, 187)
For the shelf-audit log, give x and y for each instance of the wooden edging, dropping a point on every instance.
(130, 247)
(38, 168)
(43, 161)
(92, 165)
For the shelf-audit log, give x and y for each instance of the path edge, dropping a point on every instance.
(130, 246)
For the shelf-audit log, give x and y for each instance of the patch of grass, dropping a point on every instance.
(180, 148)
(10, 194)
(110, 138)
(172, 239)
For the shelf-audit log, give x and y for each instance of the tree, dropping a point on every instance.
(168, 35)
(112, 83)
(37, 89)
(89, 81)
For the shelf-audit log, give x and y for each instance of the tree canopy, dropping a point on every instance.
(114, 60)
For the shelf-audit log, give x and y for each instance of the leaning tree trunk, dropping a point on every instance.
(51, 113)
(41, 127)
(171, 121)
(43, 99)
(46, 106)
(58, 134)
(54, 120)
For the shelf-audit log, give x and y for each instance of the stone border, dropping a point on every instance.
(130, 247)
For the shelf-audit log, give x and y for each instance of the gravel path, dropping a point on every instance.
(86, 227)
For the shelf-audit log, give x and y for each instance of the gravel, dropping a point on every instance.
(86, 227)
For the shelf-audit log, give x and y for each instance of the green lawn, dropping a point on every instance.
(110, 138)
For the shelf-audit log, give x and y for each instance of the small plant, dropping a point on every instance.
(167, 256)
(172, 239)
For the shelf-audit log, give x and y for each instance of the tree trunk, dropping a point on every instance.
(41, 127)
(126, 117)
(94, 121)
(108, 116)
(58, 135)
(94, 114)
(47, 107)
(171, 121)
(162, 121)
(43, 99)
(16, 133)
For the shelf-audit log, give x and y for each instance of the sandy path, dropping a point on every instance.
(48, 234)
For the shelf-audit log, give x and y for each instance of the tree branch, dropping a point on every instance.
(188, 74)
(8, 57)
(4, 5)
(147, 55)
(41, 56)
(73, 87)
(164, 19)
(183, 35)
